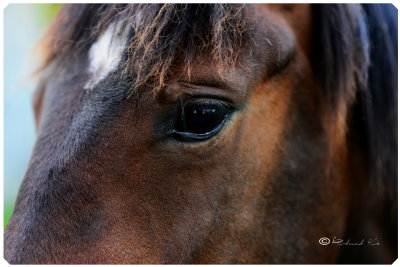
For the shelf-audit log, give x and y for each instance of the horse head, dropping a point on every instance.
(212, 134)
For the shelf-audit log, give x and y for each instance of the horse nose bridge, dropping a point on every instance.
(54, 210)
(57, 186)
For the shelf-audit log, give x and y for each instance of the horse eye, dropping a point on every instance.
(200, 119)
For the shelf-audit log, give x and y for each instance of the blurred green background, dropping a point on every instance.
(24, 25)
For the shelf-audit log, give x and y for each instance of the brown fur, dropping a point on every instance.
(106, 184)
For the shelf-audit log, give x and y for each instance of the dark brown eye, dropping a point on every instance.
(201, 118)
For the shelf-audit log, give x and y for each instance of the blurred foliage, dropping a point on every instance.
(47, 12)
(8, 208)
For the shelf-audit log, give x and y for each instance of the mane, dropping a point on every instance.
(357, 45)
(380, 99)
(162, 36)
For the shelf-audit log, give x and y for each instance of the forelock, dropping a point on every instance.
(162, 37)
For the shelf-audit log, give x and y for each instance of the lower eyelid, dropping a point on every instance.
(187, 136)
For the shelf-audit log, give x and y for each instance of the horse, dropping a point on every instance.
(213, 133)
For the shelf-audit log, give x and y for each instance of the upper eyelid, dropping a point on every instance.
(209, 83)
(211, 90)
(170, 95)
(188, 98)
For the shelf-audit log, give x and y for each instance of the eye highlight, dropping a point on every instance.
(201, 118)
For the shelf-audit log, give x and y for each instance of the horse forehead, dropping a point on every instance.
(105, 54)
